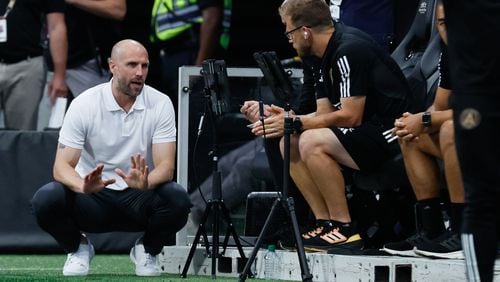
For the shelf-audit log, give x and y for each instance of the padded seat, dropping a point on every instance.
(424, 79)
(412, 46)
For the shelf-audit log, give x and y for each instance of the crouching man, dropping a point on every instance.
(114, 167)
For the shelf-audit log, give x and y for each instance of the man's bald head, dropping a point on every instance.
(128, 45)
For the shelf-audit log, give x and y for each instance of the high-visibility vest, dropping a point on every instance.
(170, 18)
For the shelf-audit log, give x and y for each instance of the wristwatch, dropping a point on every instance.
(426, 119)
(297, 125)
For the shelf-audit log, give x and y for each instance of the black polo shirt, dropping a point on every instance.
(24, 26)
(355, 65)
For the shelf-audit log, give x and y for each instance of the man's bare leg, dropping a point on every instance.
(320, 149)
(302, 178)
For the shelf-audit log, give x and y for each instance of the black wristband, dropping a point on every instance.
(426, 119)
(297, 125)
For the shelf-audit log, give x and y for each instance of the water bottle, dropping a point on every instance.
(270, 263)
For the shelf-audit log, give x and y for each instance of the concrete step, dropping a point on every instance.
(323, 267)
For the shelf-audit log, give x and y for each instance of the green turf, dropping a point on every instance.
(103, 268)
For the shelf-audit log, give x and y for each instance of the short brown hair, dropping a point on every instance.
(311, 13)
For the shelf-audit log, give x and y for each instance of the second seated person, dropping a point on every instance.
(424, 138)
(114, 167)
(363, 91)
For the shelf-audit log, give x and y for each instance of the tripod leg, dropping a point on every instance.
(201, 230)
(231, 230)
(215, 238)
(226, 237)
(205, 239)
(304, 268)
(246, 270)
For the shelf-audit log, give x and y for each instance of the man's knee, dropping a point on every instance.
(49, 199)
(176, 197)
(310, 142)
(409, 146)
(424, 144)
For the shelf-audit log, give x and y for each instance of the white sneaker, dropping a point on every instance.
(77, 263)
(145, 264)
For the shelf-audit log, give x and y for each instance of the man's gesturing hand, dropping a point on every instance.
(137, 176)
(93, 182)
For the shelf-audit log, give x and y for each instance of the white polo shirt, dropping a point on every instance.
(106, 134)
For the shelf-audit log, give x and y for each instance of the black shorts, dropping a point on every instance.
(366, 145)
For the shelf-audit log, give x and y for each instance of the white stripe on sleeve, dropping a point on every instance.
(345, 84)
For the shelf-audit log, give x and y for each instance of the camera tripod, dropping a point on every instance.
(216, 207)
(288, 204)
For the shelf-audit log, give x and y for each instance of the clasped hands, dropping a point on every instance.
(272, 124)
(408, 127)
(137, 176)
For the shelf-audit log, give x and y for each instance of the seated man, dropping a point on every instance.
(368, 91)
(425, 137)
(114, 167)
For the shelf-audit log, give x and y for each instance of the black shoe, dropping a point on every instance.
(287, 240)
(339, 235)
(318, 229)
(447, 246)
(405, 247)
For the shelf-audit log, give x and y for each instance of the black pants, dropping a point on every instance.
(477, 137)
(159, 212)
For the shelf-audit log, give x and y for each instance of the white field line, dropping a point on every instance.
(28, 268)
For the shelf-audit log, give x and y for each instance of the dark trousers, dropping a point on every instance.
(159, 212)
(477, 123)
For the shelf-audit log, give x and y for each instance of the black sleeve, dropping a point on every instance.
(353, 63)
(306, 100)
(444, 71)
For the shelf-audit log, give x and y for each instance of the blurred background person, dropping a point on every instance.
(187, 33)
(375, 17)
(22, 75)
(92, 28)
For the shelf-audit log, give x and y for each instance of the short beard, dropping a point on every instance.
(125, 89)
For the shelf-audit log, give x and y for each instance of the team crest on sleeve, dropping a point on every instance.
(470, 118)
